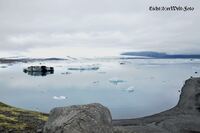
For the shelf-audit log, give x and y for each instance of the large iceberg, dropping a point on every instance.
(83, 68)
(39, 70)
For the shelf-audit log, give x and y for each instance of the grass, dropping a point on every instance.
(18, 120)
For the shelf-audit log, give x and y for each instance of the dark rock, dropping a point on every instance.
(91, 118)
(1, 129)
(183, 118)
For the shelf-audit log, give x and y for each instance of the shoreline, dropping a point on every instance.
(184, 117)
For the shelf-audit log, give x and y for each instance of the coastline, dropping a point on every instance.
(183, 118)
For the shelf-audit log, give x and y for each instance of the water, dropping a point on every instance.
(129, 88)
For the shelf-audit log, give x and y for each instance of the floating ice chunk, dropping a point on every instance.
(83, 68)
(130, 89)
(59, 97)
(116, 81)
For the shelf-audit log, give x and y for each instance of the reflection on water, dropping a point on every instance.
(135, 88)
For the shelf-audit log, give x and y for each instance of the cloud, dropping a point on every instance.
(39, 24)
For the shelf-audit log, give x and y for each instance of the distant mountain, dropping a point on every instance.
(152, 54)
(25, 60)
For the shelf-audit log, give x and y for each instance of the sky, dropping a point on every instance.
(57, 28)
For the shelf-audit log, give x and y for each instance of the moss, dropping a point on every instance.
(20, 126)
(4, 105)
(20, 119)
(5, 118)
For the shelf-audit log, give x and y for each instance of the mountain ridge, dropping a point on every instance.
(161, 55)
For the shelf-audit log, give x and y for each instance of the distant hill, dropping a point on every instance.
(25, 60)
(152, 54)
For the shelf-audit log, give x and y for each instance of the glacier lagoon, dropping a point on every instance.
(130, 88)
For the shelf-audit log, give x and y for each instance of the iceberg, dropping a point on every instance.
(39, 70)
(116, 81)
(83, 68)
(59, 97)
(130, 89)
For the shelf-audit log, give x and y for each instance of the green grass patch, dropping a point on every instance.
(20, 119)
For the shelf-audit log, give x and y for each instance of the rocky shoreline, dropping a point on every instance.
(183, 118)
(95, 118)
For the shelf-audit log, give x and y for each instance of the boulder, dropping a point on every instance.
(91, 118)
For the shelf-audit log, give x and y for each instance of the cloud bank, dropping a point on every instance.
(43, 25)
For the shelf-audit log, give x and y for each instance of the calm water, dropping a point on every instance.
(134, 88)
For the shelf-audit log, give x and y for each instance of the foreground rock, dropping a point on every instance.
(183, 118)
(91, 118)
(95, 118)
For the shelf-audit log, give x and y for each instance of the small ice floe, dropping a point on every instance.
(59, 97)
(83, 68)
(130, 89)
(116, 81)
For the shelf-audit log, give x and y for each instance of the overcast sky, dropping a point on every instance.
(96, 27)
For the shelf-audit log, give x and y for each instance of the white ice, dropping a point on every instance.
(59, 97)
